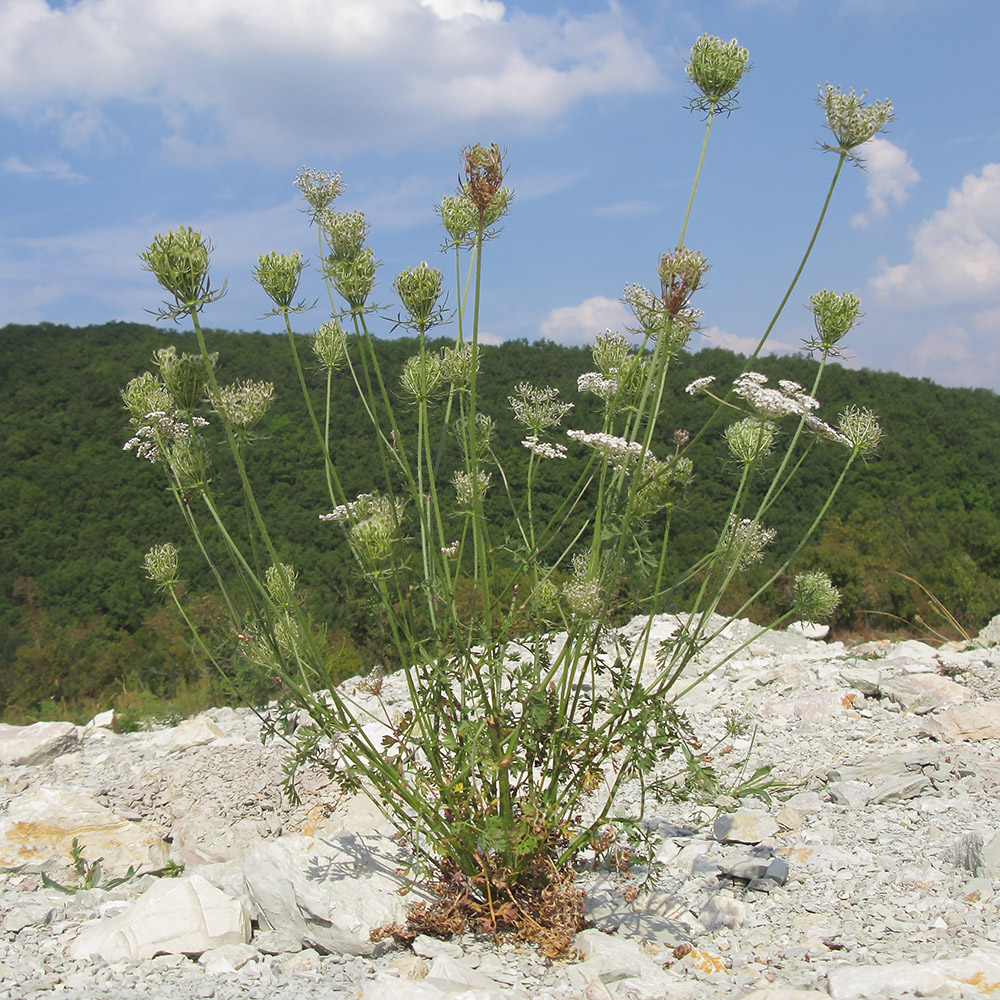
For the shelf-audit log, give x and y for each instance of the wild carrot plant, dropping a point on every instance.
(526, 709)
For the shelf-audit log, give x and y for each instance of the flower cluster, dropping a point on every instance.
(146, 394)
(178, 260)
(161, 564)
(278, 274)
(320, 188)
(716, 68)
(544, 449)
(699, 385)
(484, 173)
(745, 539)
(471, 488)
(789, 400)
(280, 580)
(861, 430)
(345, 232)
(421, 376)
(419, 289)
(661, 484)
(537, 408)
(365, 506)
(834, 315)
(329, 344)
(160, 428)
(373, 529)
(583, 591)
(621, 375)
(851, 121)
(185, 375)
(350, 266)
(617, 449)
(459, 218)
(460, 363)
(814, 596)
(242, 404)
(603, 386)
(750, 439)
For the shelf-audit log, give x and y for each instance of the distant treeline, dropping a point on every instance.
(78, 619)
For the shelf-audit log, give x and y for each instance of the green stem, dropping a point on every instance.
(802, 262)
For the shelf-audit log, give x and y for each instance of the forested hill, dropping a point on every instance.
(77, 512)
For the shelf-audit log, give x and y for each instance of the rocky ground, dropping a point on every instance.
(875, 873)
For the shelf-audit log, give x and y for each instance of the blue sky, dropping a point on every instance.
(123, 118)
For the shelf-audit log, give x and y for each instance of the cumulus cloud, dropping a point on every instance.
(950, 355)
(890, 174)
(956, 252)
(579, 324)
(715, 336)
(252, 78)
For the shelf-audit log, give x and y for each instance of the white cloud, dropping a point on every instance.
(956, 252)
(950, 344)
(715, 336)
(890, 173)
(579, 324)
(255, 78)
(49, 169)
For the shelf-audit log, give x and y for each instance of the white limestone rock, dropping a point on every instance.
(747, 826)
(923, 692)
(967, 722)
(24, 746)
(187, 916)
(38, 829)
(192, 732)
(809, 630)
(329, 893)
(990, 633)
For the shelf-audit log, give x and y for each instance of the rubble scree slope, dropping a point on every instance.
(876, 873)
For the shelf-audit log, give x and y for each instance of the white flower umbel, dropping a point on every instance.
(791, 400)
(699, 385)
(860, 429)
(603, 386)
(582, 592)
(544, 449)
(745, 540)
(161, 564)
(537, 408)
(158, 429)
(614, 448)
(750, 439)
(372, 529)
(814, 596)
(459, 364)
(368, 505)
(469, 488)
(242, 404)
